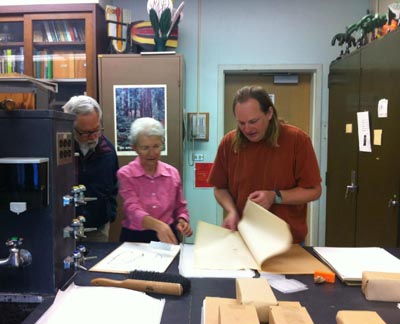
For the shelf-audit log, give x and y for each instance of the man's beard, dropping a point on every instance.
(88, 146)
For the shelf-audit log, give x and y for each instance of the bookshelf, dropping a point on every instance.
(54, 42)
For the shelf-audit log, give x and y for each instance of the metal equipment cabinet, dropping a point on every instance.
(141, 71)
(363, 187)
(54, 42)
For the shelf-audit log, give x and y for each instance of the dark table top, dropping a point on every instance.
(322, 301)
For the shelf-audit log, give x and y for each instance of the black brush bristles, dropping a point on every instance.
(161, 277)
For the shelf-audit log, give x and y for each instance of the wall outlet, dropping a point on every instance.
(198, 157)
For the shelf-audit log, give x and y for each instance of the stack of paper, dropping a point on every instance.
(349, 263)
(81, 305)
(260, 236)
(154, 256)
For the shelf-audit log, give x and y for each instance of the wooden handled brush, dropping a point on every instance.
(155, 287)
(151, 282)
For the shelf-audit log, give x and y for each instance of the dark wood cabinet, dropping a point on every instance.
(363, 187)
(54, 42)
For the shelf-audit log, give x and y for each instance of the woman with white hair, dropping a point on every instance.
(154, 205)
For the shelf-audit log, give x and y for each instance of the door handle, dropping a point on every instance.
(393, 202)
(352, 187)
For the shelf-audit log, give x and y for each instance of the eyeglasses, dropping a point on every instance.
(156, 148)
(88, 134)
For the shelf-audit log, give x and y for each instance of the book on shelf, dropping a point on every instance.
(80, 65)
(63, 65)
(12, 60)
(71, 31)
(57, 30)
(75, 32)
(66, 31)
(38, 33)
(49, 36)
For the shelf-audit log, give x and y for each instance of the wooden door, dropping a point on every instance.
(379, 171)
(292, 101)
(342, 169)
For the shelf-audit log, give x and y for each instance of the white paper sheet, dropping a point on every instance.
(138, 256)
(186, 267)
(103, 305)
(349, 263)
(364, 132)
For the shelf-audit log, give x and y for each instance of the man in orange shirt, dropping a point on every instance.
(267, 161)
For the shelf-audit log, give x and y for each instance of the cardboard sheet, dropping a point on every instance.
(295, 261)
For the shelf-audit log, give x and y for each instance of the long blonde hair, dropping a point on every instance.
(259, 94)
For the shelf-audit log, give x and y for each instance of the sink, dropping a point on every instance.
(14, 308)
(15, 313)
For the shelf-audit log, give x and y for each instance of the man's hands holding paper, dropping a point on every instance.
(264, 198)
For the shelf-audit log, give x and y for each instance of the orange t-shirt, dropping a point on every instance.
(259, 166)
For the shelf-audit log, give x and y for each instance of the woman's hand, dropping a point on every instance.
(184, 227)
(165, 234)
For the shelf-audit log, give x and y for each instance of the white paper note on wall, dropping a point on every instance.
(364, 132)
(383, 108)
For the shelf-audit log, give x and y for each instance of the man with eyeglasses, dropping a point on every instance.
(96, 168)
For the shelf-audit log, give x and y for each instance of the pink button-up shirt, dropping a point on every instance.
(160, 196)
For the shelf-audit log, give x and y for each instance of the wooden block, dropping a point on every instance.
(238, 314)
(211, 306)
(381, 286)
(358, 317)
(289, 314)
(257, 292)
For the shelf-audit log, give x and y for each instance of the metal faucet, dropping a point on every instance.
(78, 196)
(17, 257)
(77, 229)
(77, 258)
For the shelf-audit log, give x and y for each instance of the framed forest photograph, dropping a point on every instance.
(136, 101)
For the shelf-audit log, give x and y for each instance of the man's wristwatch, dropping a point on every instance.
(278, 197)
